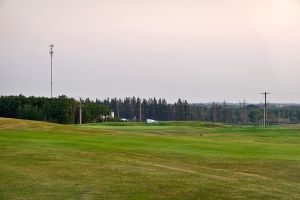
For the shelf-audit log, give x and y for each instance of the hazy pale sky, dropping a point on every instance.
(199, 50)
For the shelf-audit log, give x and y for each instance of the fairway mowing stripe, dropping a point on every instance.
(154, 165)
(253, 175)
(166, 167)
(120, 158)
(213, 176)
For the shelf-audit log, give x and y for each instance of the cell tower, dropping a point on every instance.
(51, 55)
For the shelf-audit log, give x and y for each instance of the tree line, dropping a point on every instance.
(62, 109)
(66, 110)
(161, 110)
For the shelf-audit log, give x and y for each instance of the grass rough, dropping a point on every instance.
(167, 160)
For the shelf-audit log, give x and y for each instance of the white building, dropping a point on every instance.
(150, 121)
(112, 114)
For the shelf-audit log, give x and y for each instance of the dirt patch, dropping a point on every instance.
(6, 123)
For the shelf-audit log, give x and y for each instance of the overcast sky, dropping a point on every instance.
(199, 50)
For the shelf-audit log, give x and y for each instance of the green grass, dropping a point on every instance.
(170, 160)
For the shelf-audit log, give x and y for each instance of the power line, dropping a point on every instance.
(292, 93)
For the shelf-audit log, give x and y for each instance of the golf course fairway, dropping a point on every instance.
(167, 160)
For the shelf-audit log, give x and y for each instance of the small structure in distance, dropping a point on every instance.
(151, 121)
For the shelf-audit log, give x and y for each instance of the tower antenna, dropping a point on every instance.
(51, 55)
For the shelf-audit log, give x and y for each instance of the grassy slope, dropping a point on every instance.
(166, 161)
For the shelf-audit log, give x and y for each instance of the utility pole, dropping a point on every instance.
(80, 111)
(140, 110)
(51, 55)
(245, 113)
(118, 112)
(279, 114)
(265, 108)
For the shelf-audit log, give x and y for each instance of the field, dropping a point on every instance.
(171, 160)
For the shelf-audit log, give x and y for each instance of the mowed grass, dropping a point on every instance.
(170, 160)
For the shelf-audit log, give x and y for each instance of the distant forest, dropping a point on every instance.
(66, 110)
(242, 113)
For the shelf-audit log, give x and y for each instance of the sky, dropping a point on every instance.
(199, 50)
